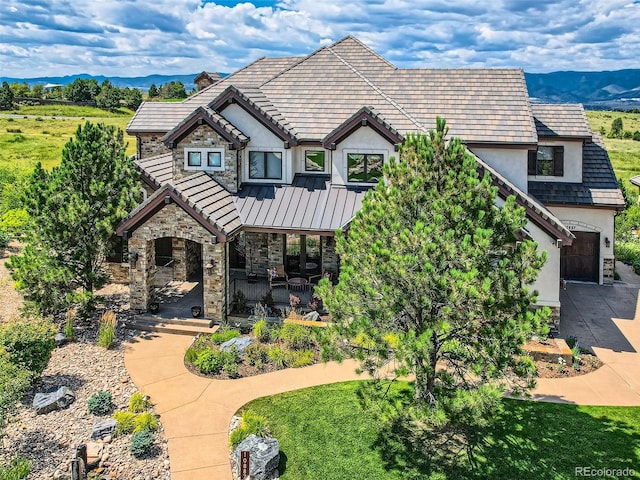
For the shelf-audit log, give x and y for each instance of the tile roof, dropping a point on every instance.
(536, 212)
(599, 186)
(156, 170)
(311, 203)
(561, 120)
(216, 121)
(158, 117)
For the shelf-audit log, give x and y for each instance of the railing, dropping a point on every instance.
(254, 292)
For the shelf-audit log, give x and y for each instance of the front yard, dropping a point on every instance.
(324, 432)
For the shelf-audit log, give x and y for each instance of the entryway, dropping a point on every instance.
(581, 261)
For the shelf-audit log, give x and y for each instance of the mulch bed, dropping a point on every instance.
(588, 363)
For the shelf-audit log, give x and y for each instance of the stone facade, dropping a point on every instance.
(172, 221)
(193, 259)
(607, 271)
(150, 145)
(179, 254)
(275, 248)
(257, 253)
(204, 136)
(118, 272)
(330, 258)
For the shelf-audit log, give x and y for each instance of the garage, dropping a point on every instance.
(581, 261)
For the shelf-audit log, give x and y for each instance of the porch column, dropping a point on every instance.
(178, 252)
(275, 249)
(141, 272)
(329, 255)
(214, 280)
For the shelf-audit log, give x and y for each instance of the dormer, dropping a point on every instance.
(562, 132)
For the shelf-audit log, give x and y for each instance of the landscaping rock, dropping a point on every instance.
(60, 339)
(264, 456)
(312, 316)
(95, 451)
(57, 398)
(241, 343)
(104, 429)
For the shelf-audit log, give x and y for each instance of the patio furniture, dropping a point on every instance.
(277, 276)
(298, 283)
(318, 276)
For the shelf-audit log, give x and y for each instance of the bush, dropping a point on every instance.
(213, 361)
(252, 424)
(13, 382)
(68, 326)
(277, 357)
(224, 335)
(17, 469)
(107, 332)
(257, 355)
(299, 358)
(100, 403)
(28, 343)
(628, 252)
(13, 222)
(138, 403)
(4, 239)
(274, 334)
(141, 443)
(296, 336)
(126, 422)
(145, 422)
(261, 330)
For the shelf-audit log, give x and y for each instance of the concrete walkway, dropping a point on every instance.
(196, 411)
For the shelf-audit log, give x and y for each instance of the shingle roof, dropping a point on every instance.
(561, 120)
(311, 203)
(599, 186)
(158, 170)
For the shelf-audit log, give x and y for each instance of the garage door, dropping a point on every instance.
(581, 260)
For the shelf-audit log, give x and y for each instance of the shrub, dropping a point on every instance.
(28, 343)
(138, 403)
(107, 332)
(261, 330)
(13, 222)
(224, 335)
(274, 334)
(17, 138)
(299, 358)
(4, 239)
(213, 361)
(100, 403)
(18, 468)
(257, 355)
(392, 340)
(145, 422)
(252, 424)
(296, 336)
(126, 422)
(141, 443)
(68, 326)
(13, 382)
(277, 357)
(231, 369)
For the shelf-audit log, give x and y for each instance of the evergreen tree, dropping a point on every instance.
(153, 91)
(82, 90)
(6, 97)
(616, 128)
(75, 209)
(132, 98)
(433, 271)
(109, 97)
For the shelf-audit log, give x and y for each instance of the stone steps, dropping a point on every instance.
(177, 326)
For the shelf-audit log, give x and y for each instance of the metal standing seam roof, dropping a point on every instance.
(561, 120)
(599, 187)
(310, 203)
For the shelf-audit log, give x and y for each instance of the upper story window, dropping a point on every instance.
(204, 159)
(314, 161)
(364, 167)
(266, 165)
(547, 161)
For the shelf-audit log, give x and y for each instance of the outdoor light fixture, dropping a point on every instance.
(133, 259)
(209, 267)
(607, 242)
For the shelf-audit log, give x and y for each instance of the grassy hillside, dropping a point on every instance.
(625, 154)
(25, 141)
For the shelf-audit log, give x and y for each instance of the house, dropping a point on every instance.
(261, 167)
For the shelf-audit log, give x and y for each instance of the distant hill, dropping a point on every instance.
(132, 82)
(596, 90)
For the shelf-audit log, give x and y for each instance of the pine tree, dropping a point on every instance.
(6, 97)
(153, 91)
(434, 272)
(75, 209)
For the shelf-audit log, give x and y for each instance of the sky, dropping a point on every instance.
(133, 38)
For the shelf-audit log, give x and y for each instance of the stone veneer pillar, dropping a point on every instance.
(329, 255)
(214, 284)
(257, 253)
(179, 254)
(142, 275)
(275, 248)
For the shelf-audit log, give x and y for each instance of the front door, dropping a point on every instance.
(581, 261)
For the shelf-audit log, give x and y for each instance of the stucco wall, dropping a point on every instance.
(590, 220)
(548, 282)
(363, 140)
(572, 161)
(512, 163)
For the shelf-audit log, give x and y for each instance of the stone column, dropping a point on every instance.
(275, 248)
(180, 259)
(214, 284)
(329, 255)
(142, 275)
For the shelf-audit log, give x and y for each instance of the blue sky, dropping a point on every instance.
(142, 37)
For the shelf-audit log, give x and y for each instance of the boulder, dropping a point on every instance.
(95, 451)
(103, 429)
(241, 343)
(312, 316)
(56, 398)
(264, 456)
(60, 339)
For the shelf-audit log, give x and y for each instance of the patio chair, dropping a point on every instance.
(325, 274)
(277, 277)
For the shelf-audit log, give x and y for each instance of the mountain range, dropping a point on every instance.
(610, 90)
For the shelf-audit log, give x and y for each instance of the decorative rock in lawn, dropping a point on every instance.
(264, 456)
(103, 429)
(241, 343)
(53, 399)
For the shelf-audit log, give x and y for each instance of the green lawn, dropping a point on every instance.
(325, 433)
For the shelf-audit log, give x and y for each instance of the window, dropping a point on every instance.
(546, 161)
(365, 167)
(204, 159)
(314, 161)
(265, 165)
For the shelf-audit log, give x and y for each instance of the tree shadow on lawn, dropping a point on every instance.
(532, 440)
